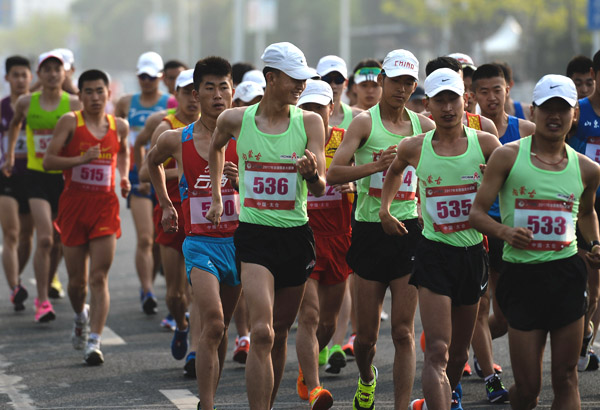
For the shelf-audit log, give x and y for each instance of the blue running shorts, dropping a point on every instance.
(214, 255)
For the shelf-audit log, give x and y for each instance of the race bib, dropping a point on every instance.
(550, 221)
(41, 141)
(20, 148)
(270, 185)
(331, 199)
(592, 149)
(449, 207)
(92, 176)
(199, 206)
(407, 190)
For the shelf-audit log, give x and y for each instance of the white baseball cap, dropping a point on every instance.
(150, 63)
(256, 76)
(331, 63)
(401, 62)
(185, 78)
(444, 79)
(289, 59)
(50, 54)
(316, 91)
(247, 91)
(464, 60)
(68, 57)
(552, 86)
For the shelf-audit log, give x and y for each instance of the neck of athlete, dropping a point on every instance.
(595, 98)
(393, 114)
(51, 93)
(272, 108)
(337, 106)
(150, 96)
(186, 119)
(547, 148)
(206, 123)
(449, 134)
(93, 118)
(500, 119)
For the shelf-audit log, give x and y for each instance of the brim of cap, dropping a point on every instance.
(247, 97)
(438, 90)
(330, 69)
(471, 66)
(300, 73)
(569, 101)
(185, 83)
(314, 98)
(151, 71)
(400, 71)
(362, 78)
(54, 57)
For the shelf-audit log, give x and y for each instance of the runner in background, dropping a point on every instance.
(368, 91)
(580, 70)
(468, 68)
(515, 108)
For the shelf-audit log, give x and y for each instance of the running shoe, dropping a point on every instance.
(301, 388)
(384, 315)
(479, 371)
(169, 323)
(44, 311)
(93, 356)
(364, 398)
(496, 393)
(594, 362)
(81, 330)
(323, 355)
(584, 356)
(55, 291)
(336, 360)
(467, 370)
(242, 347)
(320, 399)
(179, 344)
(456, 404)
(189, 369)
(149, 303)
(458, 390)
(417, 405)
(349, 347)
(18, 296)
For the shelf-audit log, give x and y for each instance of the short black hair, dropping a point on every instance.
(442, 62)
(174, 64)
(367, 62)
(486, 71)
(579, 64)
(92, 75)
(508, 74)
(15, 61)
(212, 65)
(468, 71)
(596, 62)
(270, 70)
(239, 69)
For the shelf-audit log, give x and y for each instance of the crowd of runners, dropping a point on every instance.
(298, 193)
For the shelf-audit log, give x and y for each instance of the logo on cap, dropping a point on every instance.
(405, 64)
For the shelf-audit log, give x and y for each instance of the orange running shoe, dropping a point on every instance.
(301, 386)
(349, 347)
(320, 399)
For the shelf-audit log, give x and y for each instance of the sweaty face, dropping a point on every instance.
(337, 83)
(51, 73)
(215, 94)
(553, 119)
(585, 84)
(94, 95)
(288, 89)
(396, 91)
(490, 94)
(148, 84)
(19, 78)
(446, 108)
(186, 101)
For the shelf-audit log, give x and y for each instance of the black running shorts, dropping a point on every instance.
(15, 187)
(545, 296)
(460, 273)
(42, 185)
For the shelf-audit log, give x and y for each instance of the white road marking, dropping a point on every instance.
(12, 386)
(110, 338)
(181, 398)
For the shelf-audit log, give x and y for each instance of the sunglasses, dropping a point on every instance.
(336, 79)
(368, 71)
(146, 77)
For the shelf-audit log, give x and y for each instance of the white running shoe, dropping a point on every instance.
(81, 330)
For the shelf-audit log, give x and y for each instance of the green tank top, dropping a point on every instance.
(544, 201)
(404, 205)
(40, 127)
(272, 193)
(447, 187)
(347, 117)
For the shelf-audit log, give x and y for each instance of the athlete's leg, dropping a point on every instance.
(285, 309)
(141, 210)
(497, 321)
(102, 252)
(463, 323)
(240, 317)
(56, 254)
(175, 278)
(25, 239)
(9, 221)
(76, 261)
(404, 306)
(42, 220)
(482, 337)
(339, 336)
(230, 297)
(330, 302)
(368, 299)
(526, 353)
(307, 345)
(565, 354)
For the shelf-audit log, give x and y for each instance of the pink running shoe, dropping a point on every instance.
(44, 311)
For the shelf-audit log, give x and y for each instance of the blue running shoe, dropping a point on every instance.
(169, 323)
(496, 393)
(456, 402)
(179, 344)
(149, 303)
(189, 369)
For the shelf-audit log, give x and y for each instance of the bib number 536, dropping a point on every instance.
(270, 185)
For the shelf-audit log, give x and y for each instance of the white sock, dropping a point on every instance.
(246, 338)
(82, 316)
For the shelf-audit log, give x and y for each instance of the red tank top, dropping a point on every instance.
(173, 184)
(196, 193)
(99, 174)
(330, 214)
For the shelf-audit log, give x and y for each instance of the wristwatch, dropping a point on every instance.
(593, 243)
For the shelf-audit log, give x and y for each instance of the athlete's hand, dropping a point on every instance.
(230, 170)
(125, 187)
(307, 165)
(519, 237)
(214, 212)
(593, 257)
(9, 163)
(386, 157)
(144, 188)
(91, 154)
(347, 188)
(169, 219)
(482, 168)
(391, 225)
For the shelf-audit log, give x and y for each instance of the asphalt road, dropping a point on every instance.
(40, 370)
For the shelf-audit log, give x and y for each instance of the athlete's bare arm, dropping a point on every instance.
(122, 107)
(427, 124)
(408, 153)
(158, 129)
(123, 156)
(488, 143)
(488, 125)
(313, 159)
(65, 127)
(20, 113)
(341, 169)
(74, 103)
(145, 136)
(526, 128)
(587, 218)
(356, 111)
(168, 145)
(498, 168)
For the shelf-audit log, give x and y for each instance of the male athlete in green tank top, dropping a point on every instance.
(450, 268)
(545, 187)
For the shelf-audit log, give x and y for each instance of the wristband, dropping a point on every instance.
(593, 243)
(315, 178)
